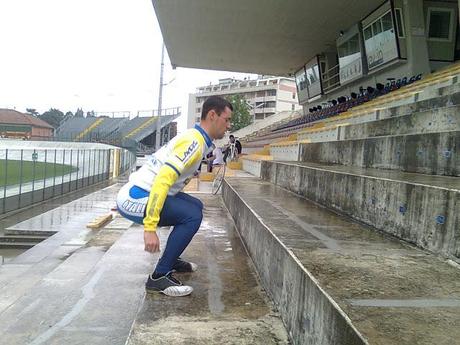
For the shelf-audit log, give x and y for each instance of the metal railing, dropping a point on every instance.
(164, 112)
(28, 176)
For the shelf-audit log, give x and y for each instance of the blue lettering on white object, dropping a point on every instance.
(190, 151)
(133, 207)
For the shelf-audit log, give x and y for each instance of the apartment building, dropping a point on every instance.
(265, 96)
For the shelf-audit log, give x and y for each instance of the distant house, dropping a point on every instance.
(14, 124)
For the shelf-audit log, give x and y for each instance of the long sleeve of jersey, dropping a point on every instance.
(186, 152)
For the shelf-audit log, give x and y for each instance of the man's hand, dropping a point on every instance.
(151, 242)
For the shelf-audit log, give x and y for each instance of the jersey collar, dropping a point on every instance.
(205, 135)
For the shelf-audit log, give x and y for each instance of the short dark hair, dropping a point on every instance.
(216, 103)
(232, 136)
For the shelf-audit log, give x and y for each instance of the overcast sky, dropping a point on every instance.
(101, 55)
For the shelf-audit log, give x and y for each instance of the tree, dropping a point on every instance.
(32, 111)
(79, 113)
(52, 116)
(91, 113)
(240, 117)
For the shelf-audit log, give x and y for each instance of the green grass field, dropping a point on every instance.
(13, 172)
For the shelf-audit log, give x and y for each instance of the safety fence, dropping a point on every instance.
(32, 175)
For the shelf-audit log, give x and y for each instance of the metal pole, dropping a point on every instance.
(101, 169)
(91, 170)
(63, 169)
(160, 96)
(71, 168)
(107, 163)
(97, 165)
(94, 165)
(78, 166)
(44, 178)
(20, 179)
(33, 179)
(83, 170)
(54, 172)
(6, 180)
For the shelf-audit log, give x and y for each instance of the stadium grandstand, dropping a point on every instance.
(137, 133)
(340, 228)
(17, 125)
(351, 216)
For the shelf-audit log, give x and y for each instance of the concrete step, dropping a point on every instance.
(397, 122)
(443, 97)
(435, 115)
(22, 238)
(20, 274)
(15, 244)
(86, 287)
(441, 119)
(65, 289)
(426, 153)
(430, 153)
(227, 306)
(20, 241)
(30, 232)
(336, 281)
(72, 303)
(421, 209)
(450, 89)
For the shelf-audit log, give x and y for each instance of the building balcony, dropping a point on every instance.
(265, 99)
(264, 110)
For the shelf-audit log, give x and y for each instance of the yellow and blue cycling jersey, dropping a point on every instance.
(168, 170)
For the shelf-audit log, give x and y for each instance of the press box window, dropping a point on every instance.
(439, 22)
(377, 27)
(367, 33)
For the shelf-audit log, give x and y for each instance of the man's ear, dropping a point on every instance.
(213, 114)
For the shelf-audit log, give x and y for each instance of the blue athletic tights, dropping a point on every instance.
(185, 213)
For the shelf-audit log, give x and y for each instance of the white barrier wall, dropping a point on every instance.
(91, 163)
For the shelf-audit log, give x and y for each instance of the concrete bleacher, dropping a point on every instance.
(110, 126)
(140, 127)
(134, 124)
(110, 129)
(444, 82)
(73, 127)
(440, 106)
(336, 281)
(353, 223)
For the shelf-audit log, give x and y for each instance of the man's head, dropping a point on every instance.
(232, 138)
(215, 116)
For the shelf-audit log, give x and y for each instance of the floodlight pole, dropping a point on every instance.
(160, 98)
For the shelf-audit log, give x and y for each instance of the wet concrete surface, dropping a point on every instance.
(446, 182)
(421, 209)
(67, 289)
(20, 274)
(82, 286)
(227, 306)
(393, 292)
(15, 217)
